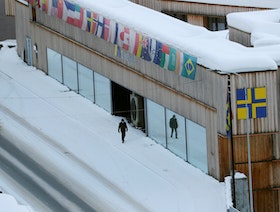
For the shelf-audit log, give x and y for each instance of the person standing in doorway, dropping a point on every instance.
(123, 129)
(173, 125)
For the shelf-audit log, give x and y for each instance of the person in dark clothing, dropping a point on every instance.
(122, 128)
(173, 125)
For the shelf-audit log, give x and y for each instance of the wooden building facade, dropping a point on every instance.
(211, 16)
(264, 133)
(202, 100)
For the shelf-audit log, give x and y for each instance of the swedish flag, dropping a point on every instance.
(256, 103)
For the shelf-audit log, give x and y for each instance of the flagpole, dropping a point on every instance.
(231, 144)
(248, 141)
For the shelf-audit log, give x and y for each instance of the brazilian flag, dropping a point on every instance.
(189, 66)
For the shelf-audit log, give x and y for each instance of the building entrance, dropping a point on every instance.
(129, 105)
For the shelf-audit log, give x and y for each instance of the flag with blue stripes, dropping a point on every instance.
(228, 117)
(256, 103)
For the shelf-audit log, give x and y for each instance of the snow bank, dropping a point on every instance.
(9, 203)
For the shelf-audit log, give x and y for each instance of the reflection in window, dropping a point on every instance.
(156, 122)
(86, 88)
(70, 73)
(217, 23)
(102, 92)
(54, 65)
(176, 136)
(196, 145)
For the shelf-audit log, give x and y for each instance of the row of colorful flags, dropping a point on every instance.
(136, 43)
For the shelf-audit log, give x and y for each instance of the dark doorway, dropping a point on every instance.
(121, 101)
(129, 105)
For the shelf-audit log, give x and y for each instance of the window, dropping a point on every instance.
(196, 145)
(54, 65)
(102, 92)
(86, 87)
(176, 134)
(189, 144)
(156, 122)
(70, 73)
(216, 23)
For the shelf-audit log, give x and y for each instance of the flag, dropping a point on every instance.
(57, 8)
(45, 5)
(156, 52)
(92, 18)
(172, 59)
(100, 26)
(146, 48)
(137, 44)
(228, 116)
(179, 58)
(123, 39)
(54, 9)
(75, 14)
(256, 103)
(117, 51)
(60, 8)
(69, 11)
(189, 66)
(113, 32)
(106, 29)
(165, 51)
(83, 21)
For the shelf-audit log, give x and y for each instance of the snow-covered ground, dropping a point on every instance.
(50, 121)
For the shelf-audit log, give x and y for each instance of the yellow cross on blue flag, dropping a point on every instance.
(256, 103)
(189, 66)
(228, 117)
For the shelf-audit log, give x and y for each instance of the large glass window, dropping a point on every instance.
(54, 65)
(86, 88)
(156, 122)
(196, 145)
(70, 76)
(176, 134)
(102, 87)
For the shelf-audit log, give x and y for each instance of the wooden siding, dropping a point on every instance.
(266, 200)
(195, 19)
(10, 7)
(238, 36)
(193, 7)
(266, 79)
(261, 148)
(265, 169)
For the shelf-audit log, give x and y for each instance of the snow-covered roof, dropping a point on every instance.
(264, 26)
(241, 3)
(211, 50)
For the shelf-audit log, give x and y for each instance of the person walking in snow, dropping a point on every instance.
(123, 129)
(173, 125)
